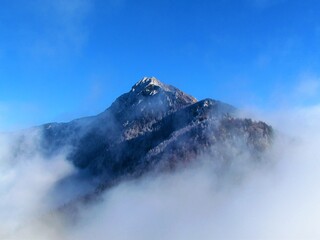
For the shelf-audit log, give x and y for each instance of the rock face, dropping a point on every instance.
(154, 127)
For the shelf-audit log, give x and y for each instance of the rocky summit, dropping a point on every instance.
(155, 127)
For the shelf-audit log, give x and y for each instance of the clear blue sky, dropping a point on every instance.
(62, 59)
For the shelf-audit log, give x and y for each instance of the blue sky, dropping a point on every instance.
(61, 59)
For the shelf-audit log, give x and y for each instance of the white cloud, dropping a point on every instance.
(18, 115)
(274, 201)
(308, 86)
(25, 180)
(60, 27)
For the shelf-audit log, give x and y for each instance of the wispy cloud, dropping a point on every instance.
(308, 86)
(25, 180)
(17, 115)
(63, 25)
(45, 28)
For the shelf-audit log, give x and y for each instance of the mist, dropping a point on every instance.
(277, 199)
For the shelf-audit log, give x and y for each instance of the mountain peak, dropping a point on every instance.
(152, 98)
(149, 86)
(155, 126)
(148, 80)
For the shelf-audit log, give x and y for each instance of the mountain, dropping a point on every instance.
(155, 127)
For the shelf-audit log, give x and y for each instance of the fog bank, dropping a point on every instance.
(276, 200)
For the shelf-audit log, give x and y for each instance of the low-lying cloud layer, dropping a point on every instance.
(277, 200)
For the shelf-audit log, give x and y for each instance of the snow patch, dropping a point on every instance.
(146, 82)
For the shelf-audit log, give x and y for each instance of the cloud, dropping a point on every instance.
(276, 199)
(17, 115)
(25, 179)
(308, 86)
(64, 26)
(45, 28)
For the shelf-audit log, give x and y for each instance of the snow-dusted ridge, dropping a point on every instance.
(145, 82)
(149, 86)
